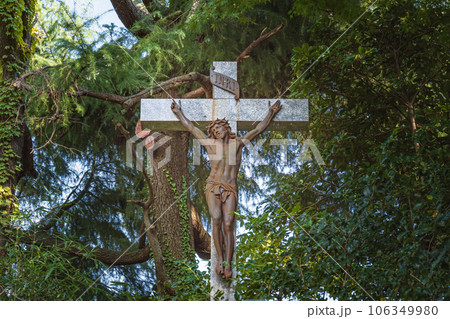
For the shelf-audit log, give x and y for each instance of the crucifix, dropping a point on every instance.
(223, 115)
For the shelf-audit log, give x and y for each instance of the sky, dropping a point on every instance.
(102, 8)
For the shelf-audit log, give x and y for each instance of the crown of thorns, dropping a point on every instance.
(222, 122)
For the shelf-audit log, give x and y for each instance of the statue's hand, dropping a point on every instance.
(176, 108)
(276, 107)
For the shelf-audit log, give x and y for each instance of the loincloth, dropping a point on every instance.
(221, 190)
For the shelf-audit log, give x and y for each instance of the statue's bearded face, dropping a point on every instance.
(219, 131)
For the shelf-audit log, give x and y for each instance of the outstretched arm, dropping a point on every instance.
(176, 109)
(273, 110)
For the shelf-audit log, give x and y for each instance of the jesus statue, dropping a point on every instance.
(224, 151)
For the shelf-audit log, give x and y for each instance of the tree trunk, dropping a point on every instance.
(171, 213)
(127, 11)
(15, 140)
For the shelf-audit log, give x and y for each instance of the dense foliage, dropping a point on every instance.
(372, 222)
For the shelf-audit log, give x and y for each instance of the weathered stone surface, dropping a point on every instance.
(226, 68)
(157, 115)
(292, 117)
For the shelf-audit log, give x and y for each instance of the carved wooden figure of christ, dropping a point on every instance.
(224, 151)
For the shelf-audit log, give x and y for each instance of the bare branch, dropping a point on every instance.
(129, 101)
(23, 77)
(254, 44)
(119, 99)
(49, 140)
(203, 80)
(194, 94)
(50, 220)
(20, 82)
(202, 240)
(123, 131)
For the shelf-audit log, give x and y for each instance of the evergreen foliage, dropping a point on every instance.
(380, 205)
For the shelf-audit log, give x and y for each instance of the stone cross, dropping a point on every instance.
(242, 114)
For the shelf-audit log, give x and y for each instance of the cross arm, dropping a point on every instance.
(156, 114)
(247, 113)
(292, 117)
(273, 110)
(176, 109)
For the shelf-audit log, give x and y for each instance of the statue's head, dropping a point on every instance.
(219, 129)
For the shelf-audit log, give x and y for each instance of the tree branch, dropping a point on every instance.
(118, 258)
(49, 221)
(106, 256)
(128, 102)
(202, 240)
(254, 44)
(207, 87)
(149, 229)
(23, 77)
(194, 94)
(20, 83)
(203, 80)
(412, 123)
(119, 99)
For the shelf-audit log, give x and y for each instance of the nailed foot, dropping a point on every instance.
(219, 268)
(228, 273)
